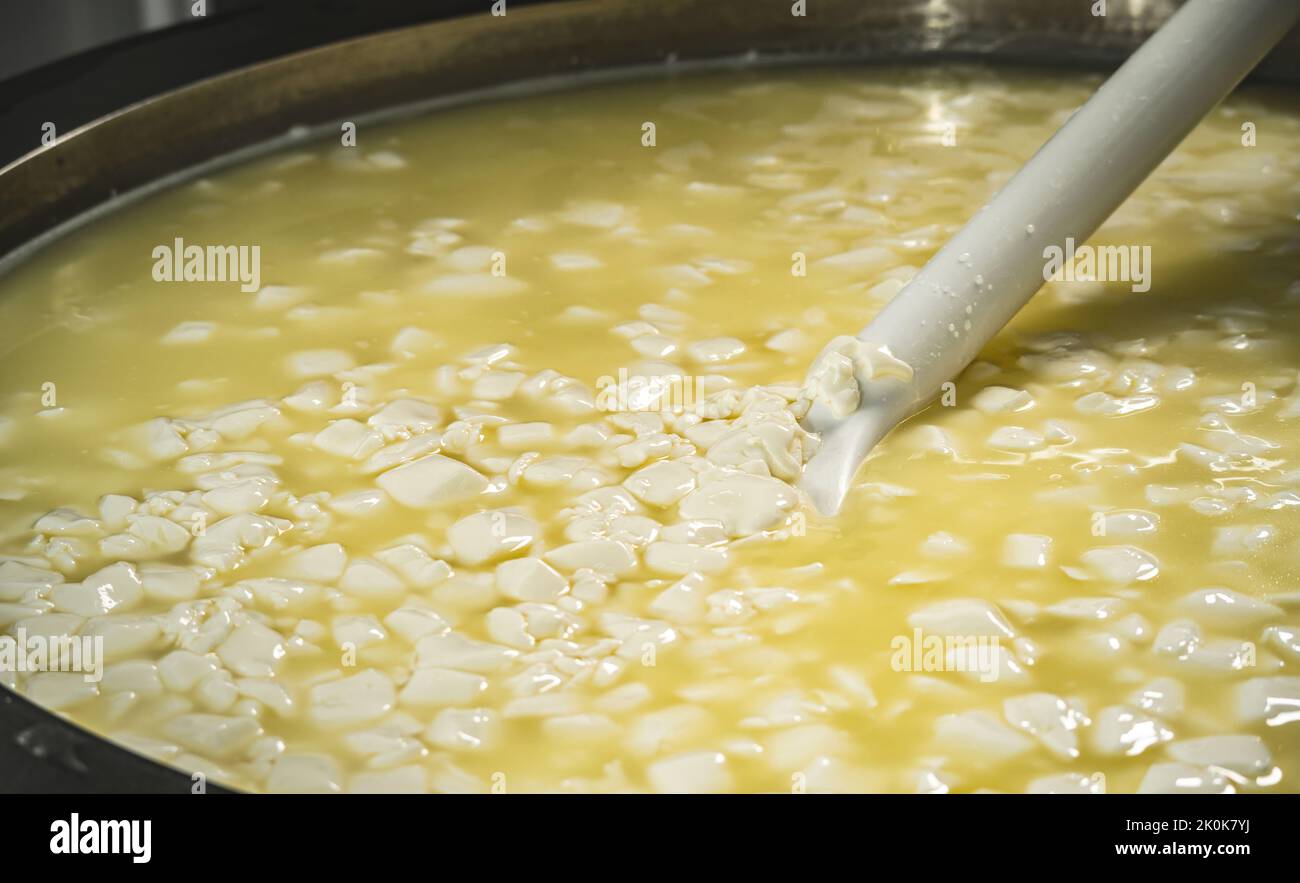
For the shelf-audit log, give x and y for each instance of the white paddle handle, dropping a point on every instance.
(1074, 182)
(973, 286)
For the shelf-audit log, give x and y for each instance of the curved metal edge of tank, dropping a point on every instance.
(182, 130)
(42, 752)
(153, 144)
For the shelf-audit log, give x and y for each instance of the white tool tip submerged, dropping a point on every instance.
(972, 287)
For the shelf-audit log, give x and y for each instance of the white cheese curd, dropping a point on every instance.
(499, 488)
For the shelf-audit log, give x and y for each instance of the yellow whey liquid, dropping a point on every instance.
(464, 458)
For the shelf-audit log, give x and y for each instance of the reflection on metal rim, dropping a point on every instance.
(176, 131)
(181, 129)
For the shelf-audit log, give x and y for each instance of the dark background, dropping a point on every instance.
(33, 32)
(111, 53)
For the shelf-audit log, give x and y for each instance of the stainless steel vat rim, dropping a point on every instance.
(183, 129)
(177, 132)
